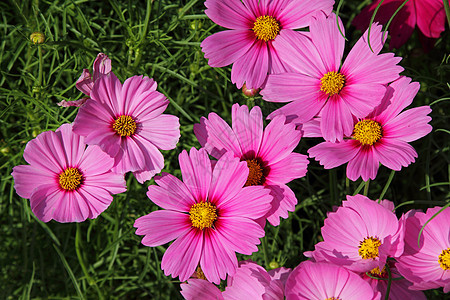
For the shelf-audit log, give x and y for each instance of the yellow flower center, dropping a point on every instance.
(200, 274)
(368, 248)
(70, 179)
(444, 259)
(377, 273)
(255, 173)
(367, 132)
(332, 83)
(266, 28)
(124, 126)
(333, 298)
(203, 215)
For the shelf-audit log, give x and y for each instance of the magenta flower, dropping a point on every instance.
(126, 121)
(319, 281)
(268, 152)
(380, 137)
(102, 66)
(399, 289)
(255, 26)
(319, 85)
(359, 236)
(64, 180)
(250, 281)
(428, 15)
(209, 215)
(427, 266)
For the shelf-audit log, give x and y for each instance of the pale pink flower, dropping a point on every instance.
(359, 236)
(250, 281)
(126, 121)
(320, 85)
(210, 215)
(268, 152)
(319, 281)
(428, 15)
(427, 266)
(65, 181)
(255, 26)
(102, 66)
(380, 137)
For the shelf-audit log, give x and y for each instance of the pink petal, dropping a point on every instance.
(289, 168)
(252, 202)
(102, 66)
(45, 200)
(239, 234)
(162, 226)
(138, 93)
(276, 64)
(337, 119)
(298, 13)
(171, 193)
(430, 17)
(395, 153)
(196, 172)
(331, 155)
(231, 14)
(183, 255)
(216, 136)
(225, 47)
(228, 177)
(91, 201)
(217, 259)
(84, 83)
(251, 68)
(88, 163)
(410, 125)
(199, 289)
(27, 178)
(279, 140)
(76, 103)
(162, 131)
(107, 90)
(143, 176)
(112, 182)
(284, 201)
(250, 282)
(362, 98)
(364, 164)
(328, 40)
(248, 128)
(311, 128)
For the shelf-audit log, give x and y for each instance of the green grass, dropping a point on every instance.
(103, 258)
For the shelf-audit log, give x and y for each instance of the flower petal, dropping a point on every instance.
(162, 131)
(251, 68)
(248, 128)
(364, 164)
(394, 154)
(331, 155)
(196, 172)
(299, 13)
(231, 14)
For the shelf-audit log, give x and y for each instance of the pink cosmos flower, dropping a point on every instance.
(126, 121)
(319, 281)
(64, 180)
(250, 281)
(102, 66)
(319, 85)
(211, 215)
(255, 26)
(359, 236)
(380, 137)
(268, 152)
(428, 15)
(399, 289)
(427, 266)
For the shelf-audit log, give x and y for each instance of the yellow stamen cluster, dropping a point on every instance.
(333, 298)
(367, 132)
(255, 173)
(332, 83)
(377, 273)
(444, 259)
(203, 215)
(368, 248)
(200, 274)
(266, 28)
(70, 179)
(124, 126)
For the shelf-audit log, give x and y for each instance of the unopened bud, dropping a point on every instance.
(37, 37)
(273, 265)
(249, 92)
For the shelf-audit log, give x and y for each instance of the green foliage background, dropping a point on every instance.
(103, 258)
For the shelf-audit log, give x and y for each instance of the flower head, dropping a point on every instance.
(210, 215)
(267, 152)
(428, 15)
(427, 265)
(360, 235)
(254, 27)
(319, 281)
(64, 180)
(380, 137)
(126, 121)
(319, 85)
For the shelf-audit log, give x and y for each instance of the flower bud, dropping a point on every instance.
(249, 92)
(37, 37)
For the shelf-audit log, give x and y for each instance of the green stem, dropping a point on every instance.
(366, 187)
(41, 70)
(388, 289)
(447, 11)
(265, 250)
(388, 183)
